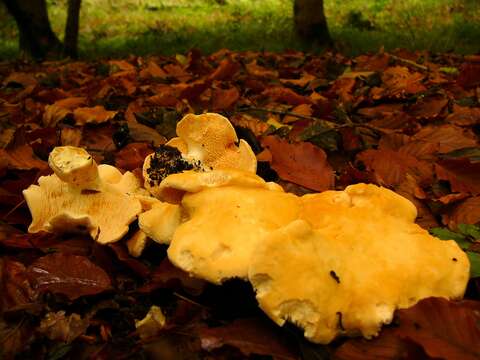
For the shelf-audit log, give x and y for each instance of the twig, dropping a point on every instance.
(189, 300)
(409, 62)
(329, 125)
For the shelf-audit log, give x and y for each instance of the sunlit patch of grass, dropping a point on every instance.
(116, 28)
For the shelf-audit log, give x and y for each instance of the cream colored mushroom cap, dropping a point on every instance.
(174, 186)
(211, 139)
(223, 228)
(73, 165)
(346, 265)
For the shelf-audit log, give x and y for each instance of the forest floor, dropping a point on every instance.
(407, 121)
(112, 28)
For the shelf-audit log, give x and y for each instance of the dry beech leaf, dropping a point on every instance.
(462, 175)
(224, 99)
(301, 163)
(448, 137)
(444, 329)
(250, 336)
(390, 167)
(96, 115)
(467, 212)
(71, 275)
(285, 96)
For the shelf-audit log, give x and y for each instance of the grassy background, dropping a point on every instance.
(116, 28)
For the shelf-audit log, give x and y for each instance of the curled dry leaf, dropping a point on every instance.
(61, 327)
(71, 275)
(301, 163)
(463, 175)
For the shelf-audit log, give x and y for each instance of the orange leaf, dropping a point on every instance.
(96, 115)
(301, 163)
(390, 167)
(224, 99)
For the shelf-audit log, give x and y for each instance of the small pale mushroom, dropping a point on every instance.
(81, 196)
(205, 142)
(350, 261)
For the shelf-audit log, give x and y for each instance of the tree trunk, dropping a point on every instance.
(310, 22)
(71, 28)
(36, 39)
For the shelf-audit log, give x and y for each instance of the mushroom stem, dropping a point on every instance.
(74, 166)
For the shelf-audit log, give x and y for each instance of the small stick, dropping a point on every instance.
(409, 62)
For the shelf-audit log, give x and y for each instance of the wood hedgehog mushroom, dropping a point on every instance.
(81, 196)
(351, 259)
(205, 142)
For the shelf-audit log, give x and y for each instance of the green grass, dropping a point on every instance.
(117, 28)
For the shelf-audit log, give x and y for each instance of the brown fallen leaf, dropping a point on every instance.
(61, 327)
(250, 336)
(96, 115)
(286, 96)
(448, 137)
(224, 99)
(15, 286)
(21, 158)
(464, 116)
(390, 167)
(443, 328)
(60, 109)
(71, 275)
(301, 163)
(466, 212)
(132, 156)
(463, 175)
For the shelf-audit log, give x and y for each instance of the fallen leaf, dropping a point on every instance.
(251, 336)
(21, 158)
(469, 75)
(58, 326)
(96, 115)
(224, 99)
(462, 175)
(71, 275)
(301, 163)
(445, 329)
(60, 109)
(390, 167)
(428, 108)
(464, 116)
(132, 156)
(467, 212)
(286, 96)
(448, 137)
(226, 70)
(15, 286)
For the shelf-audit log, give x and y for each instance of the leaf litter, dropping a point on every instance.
(316, 122)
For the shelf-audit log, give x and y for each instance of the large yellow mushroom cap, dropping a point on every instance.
(224, 227)
(351, 259)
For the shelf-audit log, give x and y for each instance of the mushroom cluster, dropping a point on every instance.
(333, 263)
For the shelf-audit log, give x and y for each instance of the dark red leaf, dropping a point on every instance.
(462, 175)
(224, 99)
(467, 212)
(301, 163)
(71, 275)
(286, 95)
(250, 336)
(132, 156)
(469, 75)
(445, 329)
